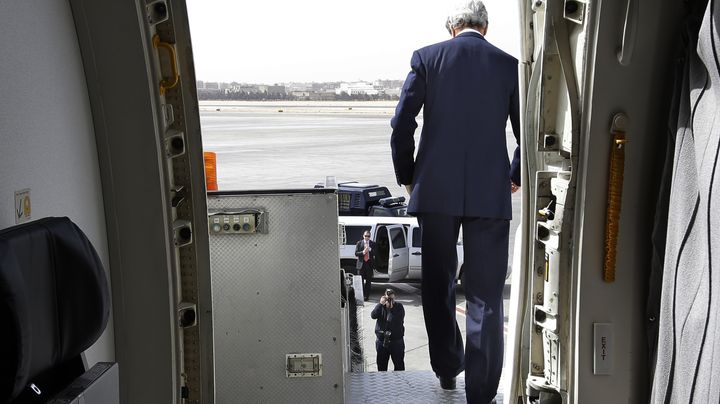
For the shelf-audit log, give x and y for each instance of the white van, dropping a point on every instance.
(398, 243)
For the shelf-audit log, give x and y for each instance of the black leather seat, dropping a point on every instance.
(54, 304)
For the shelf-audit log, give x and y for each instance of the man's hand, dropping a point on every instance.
(409, 189)
(383, 300)
(513, 187)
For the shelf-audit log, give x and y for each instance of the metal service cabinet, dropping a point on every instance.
(276, 294)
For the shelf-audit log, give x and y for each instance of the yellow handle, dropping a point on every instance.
(615, 184)
(166, 84)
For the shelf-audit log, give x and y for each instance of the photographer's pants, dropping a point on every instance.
(396, 351)
(485, 265)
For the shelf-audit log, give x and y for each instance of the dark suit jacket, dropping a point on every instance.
(468, 88)
(359, 247)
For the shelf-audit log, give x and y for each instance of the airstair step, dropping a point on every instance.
(411, 386)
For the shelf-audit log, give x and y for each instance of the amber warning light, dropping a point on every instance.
(210, 171)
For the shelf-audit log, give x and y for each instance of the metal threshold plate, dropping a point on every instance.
(410, 386)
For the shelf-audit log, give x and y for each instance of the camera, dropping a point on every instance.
(386, 338)
(389, 294)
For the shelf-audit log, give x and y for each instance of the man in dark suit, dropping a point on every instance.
(461, 176)
(365, 253)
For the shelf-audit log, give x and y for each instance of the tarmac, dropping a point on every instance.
(291, 145)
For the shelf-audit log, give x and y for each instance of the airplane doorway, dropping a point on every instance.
(290, 132)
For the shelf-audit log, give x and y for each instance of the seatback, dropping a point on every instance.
(54, 302)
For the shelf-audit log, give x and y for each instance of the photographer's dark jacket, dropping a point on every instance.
(389, 319)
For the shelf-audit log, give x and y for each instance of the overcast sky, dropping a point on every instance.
(274, 41)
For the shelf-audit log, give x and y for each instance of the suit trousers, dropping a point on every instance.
(485, 266)
(367, 273)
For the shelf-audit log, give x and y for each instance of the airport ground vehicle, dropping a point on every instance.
(399, 260)
(124, 161)
(358, 199)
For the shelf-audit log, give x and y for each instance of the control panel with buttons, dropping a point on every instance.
(233, 223)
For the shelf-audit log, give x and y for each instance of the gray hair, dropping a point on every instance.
(470, 14)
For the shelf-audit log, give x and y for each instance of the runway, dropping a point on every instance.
(259, 147)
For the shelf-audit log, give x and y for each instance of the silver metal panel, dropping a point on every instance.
(410, 386)
(277, 293)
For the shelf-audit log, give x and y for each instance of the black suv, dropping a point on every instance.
(357, 199)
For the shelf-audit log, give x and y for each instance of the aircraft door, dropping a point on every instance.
(398, 260)
(415, 248)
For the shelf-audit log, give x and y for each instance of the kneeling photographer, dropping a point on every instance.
(389, 329)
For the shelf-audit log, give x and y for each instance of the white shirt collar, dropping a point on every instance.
(469, 30)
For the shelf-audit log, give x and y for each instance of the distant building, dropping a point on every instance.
(321, 87)
(247, 89)
(323, 91)
(394, 92)
(327, 95)
(388, 83)
(293, 87)
(276, 90)
(356, 88)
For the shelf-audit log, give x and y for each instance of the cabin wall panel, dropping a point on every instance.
(642, 91)
(47, 141)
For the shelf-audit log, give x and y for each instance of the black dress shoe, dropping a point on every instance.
(447, 383)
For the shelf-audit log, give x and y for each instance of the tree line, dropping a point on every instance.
(216, 95)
